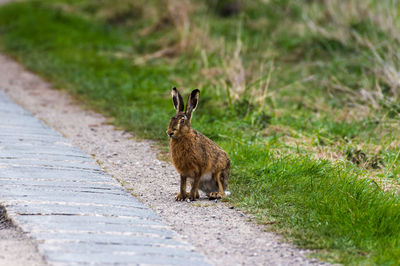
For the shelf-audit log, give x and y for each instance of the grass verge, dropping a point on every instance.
(295, 103)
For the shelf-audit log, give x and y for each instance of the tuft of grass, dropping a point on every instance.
(303, 96)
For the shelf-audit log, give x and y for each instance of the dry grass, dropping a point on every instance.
(191, 38)
(385, 66)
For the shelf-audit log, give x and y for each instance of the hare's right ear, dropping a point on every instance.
(177, 100)
(192, 103)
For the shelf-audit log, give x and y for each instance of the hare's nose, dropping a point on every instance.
(170, 135)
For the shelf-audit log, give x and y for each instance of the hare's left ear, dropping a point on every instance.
(177, 100)
(192, 103)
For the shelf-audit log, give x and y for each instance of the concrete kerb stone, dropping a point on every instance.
(76, 213)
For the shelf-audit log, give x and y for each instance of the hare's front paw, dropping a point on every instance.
(217, 195)
(194, 195)
(180, 197)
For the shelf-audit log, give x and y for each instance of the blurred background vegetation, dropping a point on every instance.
(304, 96)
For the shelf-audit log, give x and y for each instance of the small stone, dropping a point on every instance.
(188, 200)
(216, 201)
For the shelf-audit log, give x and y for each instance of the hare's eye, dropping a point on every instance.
(182, 121)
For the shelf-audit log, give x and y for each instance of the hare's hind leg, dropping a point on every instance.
(182, 195)
(221, 193)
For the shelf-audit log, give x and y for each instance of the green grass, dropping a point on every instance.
(311, 125)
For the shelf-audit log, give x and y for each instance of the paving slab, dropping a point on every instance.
(77, 214)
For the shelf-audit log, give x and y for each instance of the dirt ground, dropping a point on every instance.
(16, 248)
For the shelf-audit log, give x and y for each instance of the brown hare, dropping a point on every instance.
(196, 157)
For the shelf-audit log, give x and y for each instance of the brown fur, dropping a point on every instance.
(195, 156)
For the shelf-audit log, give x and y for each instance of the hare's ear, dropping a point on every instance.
(192, 103)
(177, 100)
